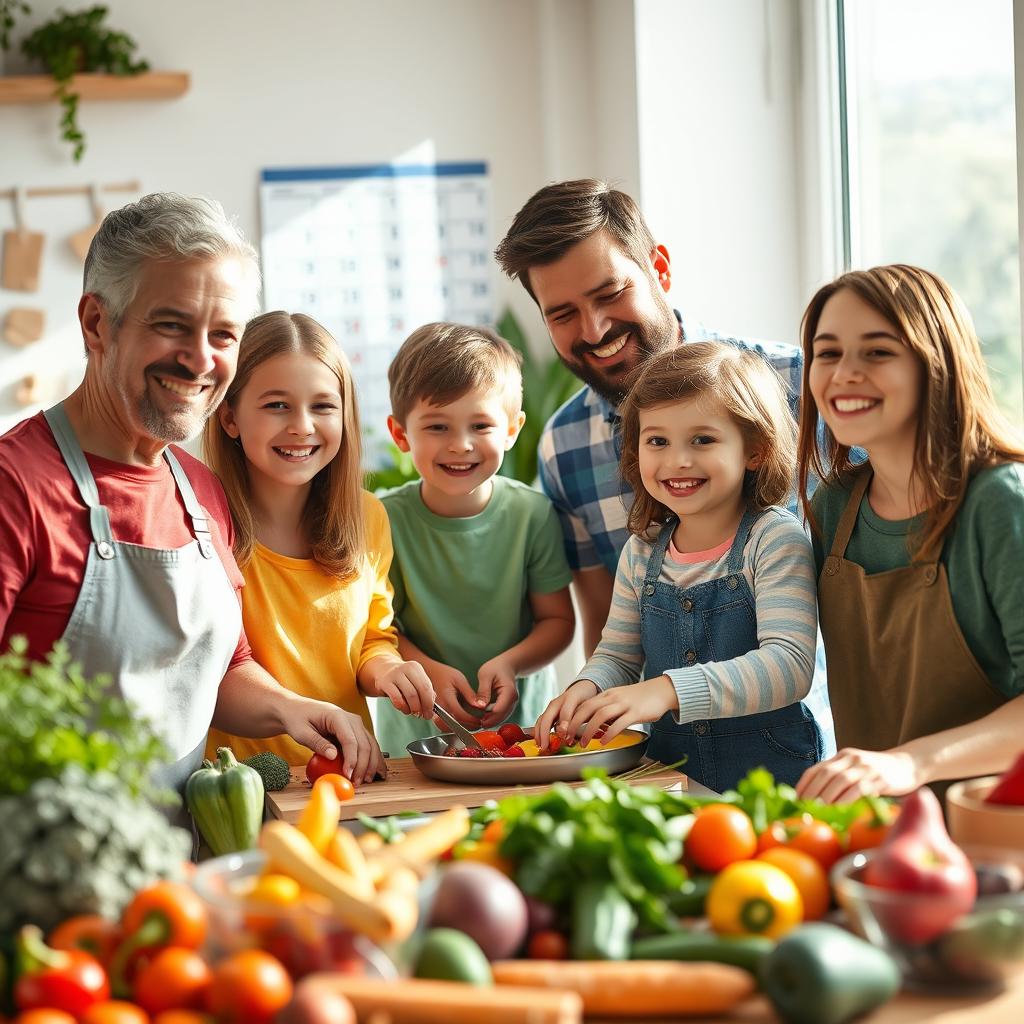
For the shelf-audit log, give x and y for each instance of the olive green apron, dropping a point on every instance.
(898, 664)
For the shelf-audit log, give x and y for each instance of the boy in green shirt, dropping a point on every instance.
(479, 570)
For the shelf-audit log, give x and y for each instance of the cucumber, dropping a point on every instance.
(746, 951)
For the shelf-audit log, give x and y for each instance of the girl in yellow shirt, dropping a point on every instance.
(314, 547)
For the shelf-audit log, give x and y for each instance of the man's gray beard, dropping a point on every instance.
(171, 429)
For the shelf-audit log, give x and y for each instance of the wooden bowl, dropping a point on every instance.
(971, 820)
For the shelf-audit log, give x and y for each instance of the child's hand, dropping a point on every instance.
(407, 685)
(497, 679)
(619, 707)
(449, 685)
(561, 709)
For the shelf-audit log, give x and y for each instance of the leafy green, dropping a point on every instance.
(766, 801)
(603, 831)
(52, 717)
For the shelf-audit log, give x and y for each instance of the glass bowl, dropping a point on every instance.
(976, 950)
(305, 937)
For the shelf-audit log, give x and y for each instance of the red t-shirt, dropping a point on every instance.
(44, 528)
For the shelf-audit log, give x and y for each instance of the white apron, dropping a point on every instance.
(162, 623)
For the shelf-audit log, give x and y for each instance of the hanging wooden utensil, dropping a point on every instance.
(23, 251)
(81, 240)
(23, 326)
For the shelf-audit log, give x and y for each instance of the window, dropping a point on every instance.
(932, 156)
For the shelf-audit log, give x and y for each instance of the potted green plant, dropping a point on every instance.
(71, 43)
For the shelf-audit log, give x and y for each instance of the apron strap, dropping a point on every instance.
(849, 517)
(739, 542)
(200, 522)
(657, 559)
(74, 459)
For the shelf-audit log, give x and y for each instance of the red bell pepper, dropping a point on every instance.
(69, 980)
(1010, 787)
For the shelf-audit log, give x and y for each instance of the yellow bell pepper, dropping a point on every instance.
(754, 898)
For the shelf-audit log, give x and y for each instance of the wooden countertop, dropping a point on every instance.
(407, 789)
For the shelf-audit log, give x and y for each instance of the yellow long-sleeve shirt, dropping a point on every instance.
(313, 632)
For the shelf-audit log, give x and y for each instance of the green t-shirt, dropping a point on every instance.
(983, 555)
(462, 589)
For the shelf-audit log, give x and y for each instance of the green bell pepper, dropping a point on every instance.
(822, 974)
(226, 801)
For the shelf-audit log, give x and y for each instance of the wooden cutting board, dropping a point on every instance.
(407, 789)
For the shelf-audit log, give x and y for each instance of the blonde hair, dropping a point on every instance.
(441, 362)
(960, 429)
(749, 390)
(333, 516)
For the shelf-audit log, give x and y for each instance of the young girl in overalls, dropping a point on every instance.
(919, 550)
(713, 606)
(313, 546)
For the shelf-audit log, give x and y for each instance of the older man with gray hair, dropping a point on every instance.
(118, 542)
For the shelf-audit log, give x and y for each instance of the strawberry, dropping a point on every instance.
(471, 752)
(514, 751)
(554, 743)
(512, 733)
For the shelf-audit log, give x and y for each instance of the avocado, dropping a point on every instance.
(451, 955)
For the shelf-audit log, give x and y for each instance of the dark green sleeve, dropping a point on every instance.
(990, 554)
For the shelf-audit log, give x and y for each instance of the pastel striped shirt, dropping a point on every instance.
(778, 564)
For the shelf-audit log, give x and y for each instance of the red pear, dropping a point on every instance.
(919, 858)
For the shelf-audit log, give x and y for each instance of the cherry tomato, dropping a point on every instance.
(174, 979)
(810, 877)
(870, 828)
(248, 988)
(720, 835)
(343, 788)
(96, 935)
(44, 1017)
(491, 740)
(319, 765)
(114, 1011)
(512, 733)
(548, 945)
(817, 838)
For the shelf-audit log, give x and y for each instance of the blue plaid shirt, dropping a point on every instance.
(579, 459)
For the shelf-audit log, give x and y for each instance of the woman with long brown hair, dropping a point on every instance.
(919, 549)
(314, 547)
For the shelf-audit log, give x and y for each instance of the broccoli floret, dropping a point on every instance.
(273, 770)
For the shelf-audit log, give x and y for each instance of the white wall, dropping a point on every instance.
(718, 93)
(322, 82)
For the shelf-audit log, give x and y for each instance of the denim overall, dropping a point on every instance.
(716, 621)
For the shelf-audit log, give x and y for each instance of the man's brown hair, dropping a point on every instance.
(960, 428)
(560, 215)
(441, 362)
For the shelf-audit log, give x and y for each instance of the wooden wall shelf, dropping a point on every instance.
(150, 85)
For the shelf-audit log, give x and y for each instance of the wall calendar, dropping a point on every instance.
(373, 252)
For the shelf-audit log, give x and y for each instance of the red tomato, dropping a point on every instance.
(720, 835)
(319, 765)
(174, 979)
(868, 830)
(248, 988)
(512, 733)
(817, 838)
(114, 1011)
(548, 945)
(514, 751)
(73, 986)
